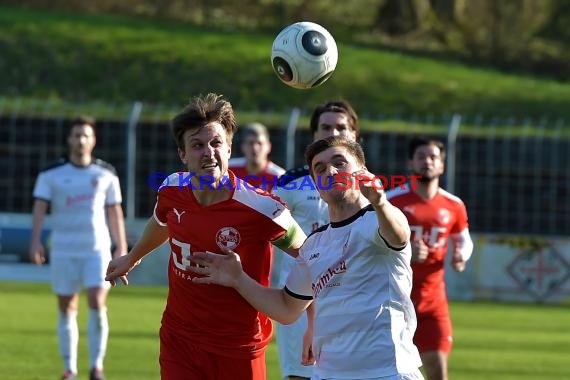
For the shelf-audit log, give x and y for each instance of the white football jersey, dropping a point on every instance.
(298, 190)
(365, 320)
(78, 197)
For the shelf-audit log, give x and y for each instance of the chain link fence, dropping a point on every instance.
(513, 175)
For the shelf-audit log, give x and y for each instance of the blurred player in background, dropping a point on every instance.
(334, 118)
(85, 199)
(211, 332)
(435, 216)
(255, 167)
(356, 270)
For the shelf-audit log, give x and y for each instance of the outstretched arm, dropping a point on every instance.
(226, 270)
(153, 236)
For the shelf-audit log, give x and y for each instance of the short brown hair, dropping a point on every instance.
(339, 106)
(201, 111)
(82, 120)
(354, 148)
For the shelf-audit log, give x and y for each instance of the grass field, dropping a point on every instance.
(492, 340)
(81, 58)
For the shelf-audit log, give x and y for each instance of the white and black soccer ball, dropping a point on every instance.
(304, 55)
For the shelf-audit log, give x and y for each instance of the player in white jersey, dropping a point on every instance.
(85, 199)
(298, 190)
(356, 270)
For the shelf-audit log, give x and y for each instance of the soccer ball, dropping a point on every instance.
(304, 55)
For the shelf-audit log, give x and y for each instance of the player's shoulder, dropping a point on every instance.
(450, 197)
(58, 164)
(293, 174)
(105, 166)
(399, 191)
(259, 200)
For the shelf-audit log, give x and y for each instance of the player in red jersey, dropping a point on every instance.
(211, 332)
(255, 167)
(435, 217)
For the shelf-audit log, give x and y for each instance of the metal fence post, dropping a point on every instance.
(451, 151)
(132, 158)
(290, 137)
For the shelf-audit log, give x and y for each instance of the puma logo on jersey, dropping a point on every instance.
(277, 210)
(178, 214)
(408, 209)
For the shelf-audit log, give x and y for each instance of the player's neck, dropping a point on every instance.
(208, 197)
(254, 168)
(81, 160)
(339, 211)
(427, 190)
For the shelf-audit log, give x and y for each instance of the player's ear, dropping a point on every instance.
(182, 155)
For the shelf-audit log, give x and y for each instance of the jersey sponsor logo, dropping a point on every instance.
(326, 278)
(434, 237)
(72, 200)
(228, 237)
(313, 197)
(178, 214)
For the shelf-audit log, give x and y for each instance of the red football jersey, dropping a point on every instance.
(432, 221)
(214, 317)
(265, 180)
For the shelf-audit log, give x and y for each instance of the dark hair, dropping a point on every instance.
(416, 142)
(340, 106)
(82, 120)
(201, 111)
(319, 146)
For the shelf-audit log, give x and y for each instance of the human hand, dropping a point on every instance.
(457, 262)
(372, 188)
(419, 251)
(307, 357)
(222, 269)
(119, 268)
(37, 254)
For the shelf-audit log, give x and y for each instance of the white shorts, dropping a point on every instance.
(416, 375)
(68, 275)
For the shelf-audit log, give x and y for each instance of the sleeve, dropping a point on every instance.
(113, 195)
(42, 189)
(286, 196)
(461, 219)
(298, 283)
(292, 236)
(160, 209)
(462, 242)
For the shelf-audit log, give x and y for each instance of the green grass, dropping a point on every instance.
(72, 58)
(492, 340)
(28, 343)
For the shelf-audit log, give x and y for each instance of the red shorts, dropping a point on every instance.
(183, 360)
(433, 333)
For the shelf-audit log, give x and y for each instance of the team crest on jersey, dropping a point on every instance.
(443, 216)
(228, 237)
(94, 182)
